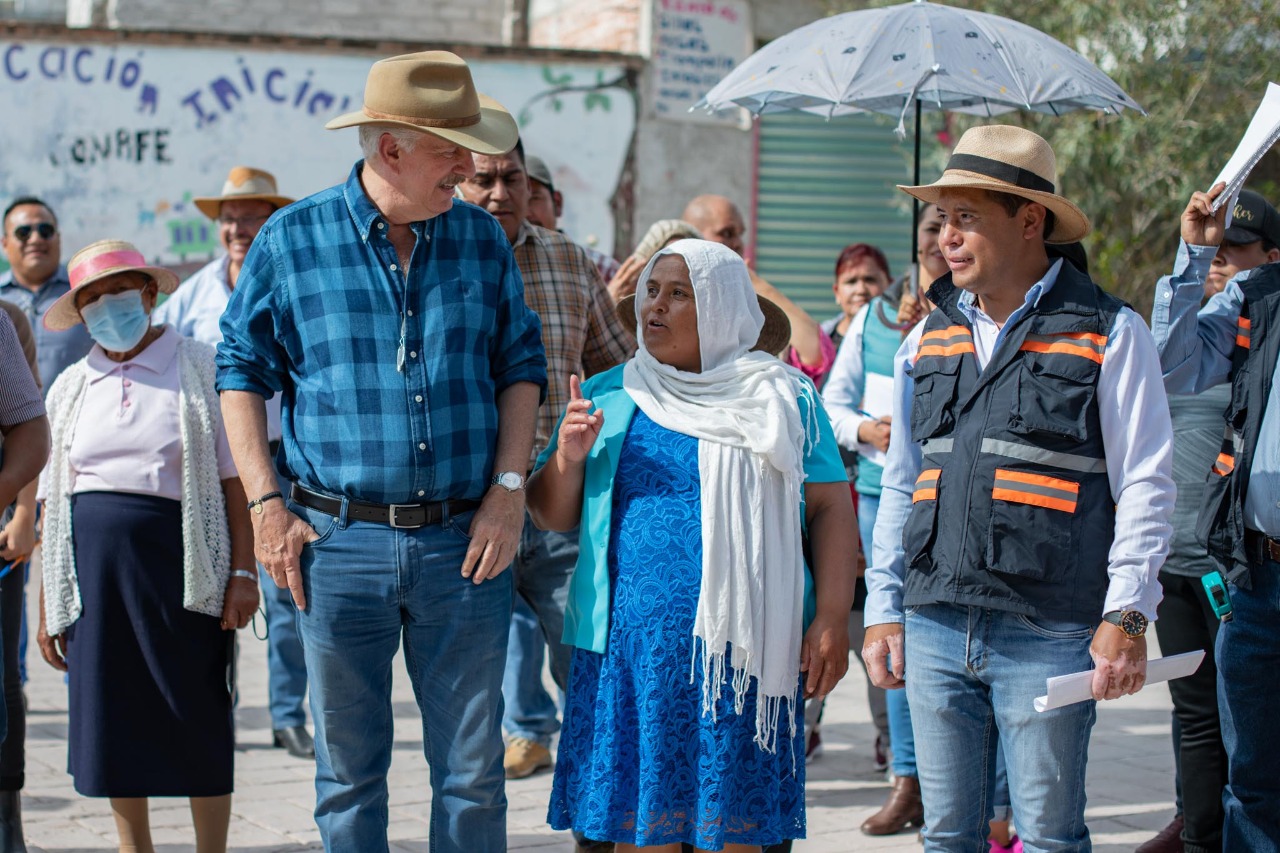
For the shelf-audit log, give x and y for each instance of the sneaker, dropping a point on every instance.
(1014, 845)
(813, 745)
(525, 757)
(881, 758)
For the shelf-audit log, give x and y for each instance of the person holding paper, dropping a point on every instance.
(1234, 339)
(1187, 622)
(1025, 504)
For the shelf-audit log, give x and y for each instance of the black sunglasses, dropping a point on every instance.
(46, 230)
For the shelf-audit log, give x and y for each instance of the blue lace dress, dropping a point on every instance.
(638, 763)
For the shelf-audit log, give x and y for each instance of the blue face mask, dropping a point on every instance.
(117, 321)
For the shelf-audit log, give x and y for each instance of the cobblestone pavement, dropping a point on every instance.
(1130, 783)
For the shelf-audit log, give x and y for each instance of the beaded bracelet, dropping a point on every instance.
(256, 505)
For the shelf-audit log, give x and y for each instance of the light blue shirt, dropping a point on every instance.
(55, 351)
(195, 310)
(1196, 345)
(1137, 441)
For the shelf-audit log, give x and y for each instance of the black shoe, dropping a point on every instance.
(295, 740)
(11, 823)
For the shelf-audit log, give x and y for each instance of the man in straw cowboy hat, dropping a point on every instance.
(249, 197)
(393, 321)
(1026, 513)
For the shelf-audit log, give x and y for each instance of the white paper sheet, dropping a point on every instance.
(877, 399)
(1077, 687)
(1263, 132)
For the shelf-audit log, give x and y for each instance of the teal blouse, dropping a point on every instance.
(586, 620)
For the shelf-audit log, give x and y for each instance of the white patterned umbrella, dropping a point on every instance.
(887, 60)
(922, 56)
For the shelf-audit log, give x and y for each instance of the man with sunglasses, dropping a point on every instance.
(36, 279)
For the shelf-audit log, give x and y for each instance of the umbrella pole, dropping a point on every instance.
(914, 261)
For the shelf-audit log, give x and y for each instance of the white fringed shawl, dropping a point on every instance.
(206, 540)
(742, 409)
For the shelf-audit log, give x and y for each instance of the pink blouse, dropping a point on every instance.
(127, 437)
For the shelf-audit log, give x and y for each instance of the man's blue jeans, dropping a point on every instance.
(286, 666)
(1248, 656)
(542, 568)
(367, 587)
(972, 674)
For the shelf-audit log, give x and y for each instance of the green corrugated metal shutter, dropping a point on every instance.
(823, 185)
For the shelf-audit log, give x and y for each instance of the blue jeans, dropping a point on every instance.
(972, 674)
(286, 666)
(901, 739)
(367, 586)
(530, 711)
(1248, 656)
(542, 568)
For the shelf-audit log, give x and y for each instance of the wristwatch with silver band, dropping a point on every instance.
(512, 481)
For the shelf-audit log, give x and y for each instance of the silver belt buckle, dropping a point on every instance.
(393, 509)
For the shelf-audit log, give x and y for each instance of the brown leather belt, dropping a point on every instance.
(393, 515)
(1259, 547)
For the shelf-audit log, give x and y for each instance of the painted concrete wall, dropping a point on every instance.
(469, 21)
(674, 160)
(119, 138)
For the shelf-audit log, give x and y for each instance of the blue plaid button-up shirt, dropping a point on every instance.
(389, 382)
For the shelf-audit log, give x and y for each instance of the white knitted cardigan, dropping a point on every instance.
(206, 539)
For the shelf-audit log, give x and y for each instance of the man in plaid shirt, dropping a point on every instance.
(393, 322)
(583, 335)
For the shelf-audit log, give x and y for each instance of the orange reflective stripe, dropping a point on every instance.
(1242, 332)
(946, 334)
(926, 485)
(952, 349)
(1035, 489)
(1224, 464)
(1064, 347)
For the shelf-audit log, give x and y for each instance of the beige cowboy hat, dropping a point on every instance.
(243, 184)
(94, 263)
(432, 92)
(1011, 160)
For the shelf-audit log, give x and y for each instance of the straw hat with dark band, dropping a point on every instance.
(94, 263)
(243, 184)
(1011, 160)
(432, 91)
(774, 336)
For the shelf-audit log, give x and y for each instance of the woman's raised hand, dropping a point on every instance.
(580, 426)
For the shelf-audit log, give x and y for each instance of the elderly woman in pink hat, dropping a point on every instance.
(148, 553)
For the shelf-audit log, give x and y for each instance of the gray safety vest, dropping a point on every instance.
(1012, 509)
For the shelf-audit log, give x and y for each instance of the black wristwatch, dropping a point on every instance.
(1133, 623)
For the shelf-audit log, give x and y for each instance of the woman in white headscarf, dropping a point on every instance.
(688, 607)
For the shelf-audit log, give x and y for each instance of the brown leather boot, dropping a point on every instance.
(903, 808)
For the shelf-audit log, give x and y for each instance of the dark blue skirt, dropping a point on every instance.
(150, 715)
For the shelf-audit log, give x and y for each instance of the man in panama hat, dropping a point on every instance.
(249, 197)
(1025, 513)
(392, 319)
